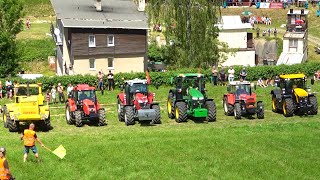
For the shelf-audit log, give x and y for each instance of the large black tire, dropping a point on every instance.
(69, 118)
(260, 110)
(237, 111)
(12, 125)
(274, 104)
(129, 115)
(102, 117)
(47, 124)
(180, 112)
(228, 109)
(212, 112)
(170, 107)
(157, 119)
(120, 111)
(314, 108)
(78, 119)
(288, 107)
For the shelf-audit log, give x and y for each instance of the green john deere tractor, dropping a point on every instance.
(189, 99)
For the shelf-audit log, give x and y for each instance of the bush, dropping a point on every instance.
(163, 78)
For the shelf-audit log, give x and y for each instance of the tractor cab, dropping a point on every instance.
(288, 83)
(82, 92)
(186, 82)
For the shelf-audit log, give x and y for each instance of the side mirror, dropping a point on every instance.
(171, 80)
(69, 95)
(312, 81)
(228, 88)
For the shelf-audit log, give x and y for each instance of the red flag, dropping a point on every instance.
(148, 77)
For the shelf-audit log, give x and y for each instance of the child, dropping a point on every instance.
(53, 94)
(48, 97)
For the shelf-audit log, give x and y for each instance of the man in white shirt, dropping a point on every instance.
(230, 74)
(69, 89)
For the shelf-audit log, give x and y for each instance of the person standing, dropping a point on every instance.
(53, 94)
(243, 73)
(100, 81)
(29, 138)
(69, 89)
(222, 76)
(230, 74)
(110, 81)
(5, 173)
(214, 75)
(60, 92)
(8, 88)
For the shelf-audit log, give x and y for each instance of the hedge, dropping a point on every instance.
(163, 78)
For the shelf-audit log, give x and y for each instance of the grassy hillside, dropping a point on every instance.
(38, 8)
(273, 148)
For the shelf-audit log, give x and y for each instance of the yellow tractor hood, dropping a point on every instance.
(300, 92)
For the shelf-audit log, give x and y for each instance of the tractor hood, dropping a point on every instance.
(300, 92)
(89, 107)
(194, 93)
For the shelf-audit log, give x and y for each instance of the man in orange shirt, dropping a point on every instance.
(29, 137)
(4, 166)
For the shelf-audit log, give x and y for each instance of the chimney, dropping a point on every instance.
(291, 11)
(302, 11)
(141, 5)
(98, 5)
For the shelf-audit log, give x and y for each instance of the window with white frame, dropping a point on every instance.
(110, 40)
(293, 43)
(92, 63)
(110, 63)
(92, 41)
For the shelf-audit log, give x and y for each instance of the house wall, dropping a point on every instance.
(121, 63)
(242, 58)
(234, 38)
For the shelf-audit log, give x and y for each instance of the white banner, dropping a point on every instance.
(264, 5)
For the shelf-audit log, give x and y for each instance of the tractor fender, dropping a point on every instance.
(310, 95)
(277, 93)
(209, 99)
(72, 105)
(259, 102)
(98, 105)
(150, 97)
(179, 100)
(231, 98)
(121, 98)
(287, 96)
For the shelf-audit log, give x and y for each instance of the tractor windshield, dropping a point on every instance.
(293, 83)
(141, 88)
(25, 91)
(243, 89)
(194, 82)
(87, 94)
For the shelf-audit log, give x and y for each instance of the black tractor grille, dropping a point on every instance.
(197, 103)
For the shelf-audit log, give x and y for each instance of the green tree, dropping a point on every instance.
(11, 13)
(189, 29)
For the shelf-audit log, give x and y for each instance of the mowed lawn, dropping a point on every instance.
(273, 148)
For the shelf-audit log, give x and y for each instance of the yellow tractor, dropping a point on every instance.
(28, 106)
(293, 96)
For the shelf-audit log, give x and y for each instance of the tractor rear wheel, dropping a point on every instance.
(180, 112)
(102, 117)
(212, 112)
(314, 108)
(69, 118)
(228, 109)
(288, 107)
(12, 125)
(78, 119)
(157, 119)
(120, 111)
(47, 124)
(237, 111)
(260, 110)
(129, 116)
(275, 107)
(170, 107)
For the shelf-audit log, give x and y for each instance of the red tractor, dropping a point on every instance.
(83, 105)
(135, 103)
(241, 101)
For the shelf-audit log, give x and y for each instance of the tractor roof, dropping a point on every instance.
(83, 87)
(136, 81)
(292, 76)
(238, 82)
(25, 85)
(190, 75)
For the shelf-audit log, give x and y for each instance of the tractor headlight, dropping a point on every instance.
(201, 98)
(194, 98)
(283, 90)
(309, 90)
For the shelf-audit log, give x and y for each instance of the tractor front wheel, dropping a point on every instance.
(260, 110)
(180, 112)
(157, 119)
(314, 105)
(170, 108)
(228, 109)
(12, 125)
(102, 117)
(120, 111)
(47, 124)
(69, 118)
(237, 111)
(288, 107)
(129, 116)
(212, 113)
(78, 119)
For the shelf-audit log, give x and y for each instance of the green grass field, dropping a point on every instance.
(273, 148)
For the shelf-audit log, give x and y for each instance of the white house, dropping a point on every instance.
(295, 40)
(234, 33)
